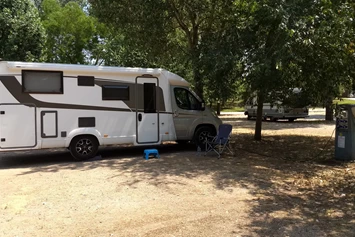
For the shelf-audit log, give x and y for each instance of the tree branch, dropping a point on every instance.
(180, 22)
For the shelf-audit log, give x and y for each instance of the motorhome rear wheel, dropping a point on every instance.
(84, 147)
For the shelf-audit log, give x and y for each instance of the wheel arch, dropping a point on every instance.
(85, 135)
(83, 132)
(205, 125)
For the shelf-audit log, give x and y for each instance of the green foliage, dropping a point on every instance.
(265, 43)
(82, 3)
(140, 24)
(21, 32)
(299, 44)
(37, 3)
(296, 100)
(220, 57)
(233, 109)
(303, 44)
(169, 33)
(117, 50)
(324, 50)
(71, 33)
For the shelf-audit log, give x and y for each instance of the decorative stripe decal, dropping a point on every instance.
(15, 88)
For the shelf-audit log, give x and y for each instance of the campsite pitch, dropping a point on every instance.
(285, 185)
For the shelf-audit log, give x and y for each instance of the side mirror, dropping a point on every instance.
(203, 106)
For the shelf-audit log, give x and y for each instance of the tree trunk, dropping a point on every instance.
(259, 117)
(198, 83)
(218, 108)
(329, 112)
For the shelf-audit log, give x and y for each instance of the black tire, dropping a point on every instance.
(291, 120)
(274, 119)
(84, 147)
(201, 134)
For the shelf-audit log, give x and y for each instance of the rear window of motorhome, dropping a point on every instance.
(48, 82)
(112, 92)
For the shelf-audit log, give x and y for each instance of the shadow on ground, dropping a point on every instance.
(298, 189)
(61, 157)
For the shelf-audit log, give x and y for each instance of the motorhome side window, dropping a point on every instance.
(48, 82)
(149, 98)
(112, 92)
(186, 100)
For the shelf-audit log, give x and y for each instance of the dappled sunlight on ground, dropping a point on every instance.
(285, 185)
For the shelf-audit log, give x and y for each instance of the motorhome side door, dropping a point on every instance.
(147, 111)
(17, 126)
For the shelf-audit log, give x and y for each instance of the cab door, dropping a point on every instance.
(187, 109)
(147, 111)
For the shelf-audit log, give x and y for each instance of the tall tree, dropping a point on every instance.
(325, 55)
(21, 31)
(221, 57)
(221, 67)
(265, 44)
(164, 25)
(297, 44)
(82, 3)
(70, 32)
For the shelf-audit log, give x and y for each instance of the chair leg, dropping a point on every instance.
(230, 149)
(212, 148)
(221, 149)
(206, 146)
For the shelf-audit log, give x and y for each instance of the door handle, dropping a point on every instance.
(176, 113)
(139, 117)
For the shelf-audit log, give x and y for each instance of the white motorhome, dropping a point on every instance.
(83, 107)
(277, 110)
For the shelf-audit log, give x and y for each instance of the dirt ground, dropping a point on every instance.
(285, 185)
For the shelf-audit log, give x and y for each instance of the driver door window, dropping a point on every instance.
(185, 100)
(182, 100)
(194, 104)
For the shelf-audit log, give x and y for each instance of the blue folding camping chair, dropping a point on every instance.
(221, 141)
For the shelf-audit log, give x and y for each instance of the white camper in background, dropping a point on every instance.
(83, 107)
(277, 110)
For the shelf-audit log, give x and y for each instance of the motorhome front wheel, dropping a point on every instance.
(202, 134)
